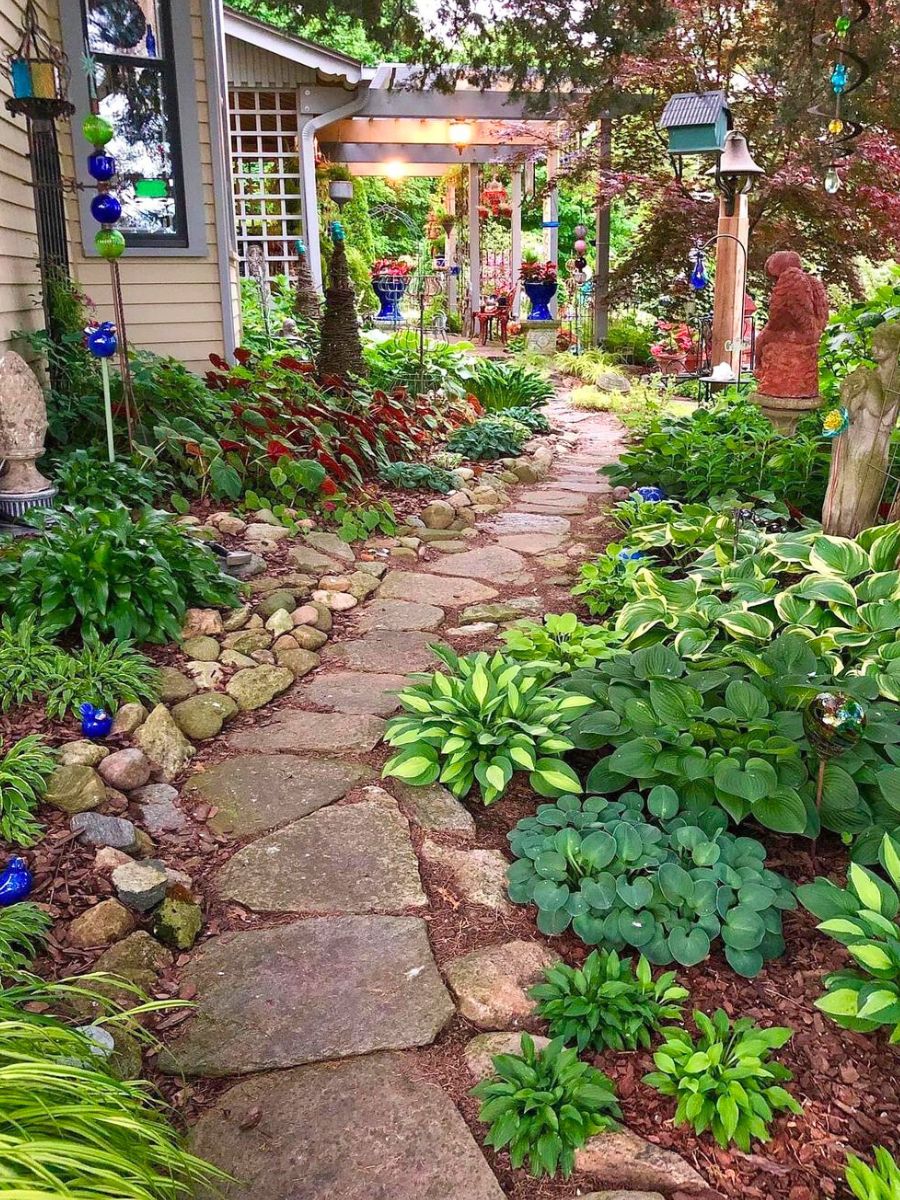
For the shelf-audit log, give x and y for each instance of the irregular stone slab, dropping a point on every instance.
(434, 589)
(257, 792)
(357, 692)
(526, 522)
(622, 1194)
(164, 744)
(399, 615)
(434, 808)
(624, 1160)
(479, 875)
(481, 1050)
(311, 561)
(354, 858)
(75, 789)
(490, 984)
(320, 1135)
(486, 562)
(556, 507)
(325, 988)
(298, 732)
(386, 651)
(532, 543)
(332, 545)
(254, 687)
(503, 610)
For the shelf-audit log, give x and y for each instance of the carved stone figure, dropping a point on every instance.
(787, 350)
(23, 426)
(859, 462)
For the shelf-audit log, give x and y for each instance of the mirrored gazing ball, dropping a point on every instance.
(833, 723)
(105, 208)
(101, 166)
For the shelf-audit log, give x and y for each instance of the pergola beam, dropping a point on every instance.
(409, 102)
(431, 131)
(398, 152)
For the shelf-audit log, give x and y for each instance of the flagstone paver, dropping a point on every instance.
(356, 692)
(486, 562)
(399, 615)
(295, 731)
(385, 651)
(257, 792)
(352, 858)
(434, 589)
(434, 808)
(324, 988)
(532, 543)
(368, 1128)
(527, 522)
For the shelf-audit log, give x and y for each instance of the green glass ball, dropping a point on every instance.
(842, 24)
(97, 130)
(833, 723)
(109, 243)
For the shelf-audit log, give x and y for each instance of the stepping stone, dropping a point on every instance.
(478, 875)
(385, 650)
(434, 808)
(310, 561)
(433, 589)
(364, 1129)
(332, 545)
(353, 858)
(258, 792)
(556, 508)
(356, 692)
(399, 615)
(487, 562)
(586, 487)
(621, 1159)
(490, 984)
(503, 610)
(532, 543)
(314, 990)
(526, 522)
(295, 731)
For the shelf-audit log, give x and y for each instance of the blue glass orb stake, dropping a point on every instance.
(102, 341)
(105, 208)
(16, 882)
(101, 167)
(653, 495)
(95, 722)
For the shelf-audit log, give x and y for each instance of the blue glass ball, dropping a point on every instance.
(101, 167)
(102, 341)
(15, 882)
(651, 494)
(105, 208)
(627, 555)
(95, 722)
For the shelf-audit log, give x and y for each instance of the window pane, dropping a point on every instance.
(124, 27)
(132, 99)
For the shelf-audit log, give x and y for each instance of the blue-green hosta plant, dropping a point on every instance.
(607, 1003)
(561, 643)
(725, 1081)
(544, 1105)
(862, 917)
(879, 1182)
(662, 880)
(480, 722)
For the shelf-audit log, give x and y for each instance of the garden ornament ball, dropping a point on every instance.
(653, 495)
(16, 882)
(833, 723)
(95, 722)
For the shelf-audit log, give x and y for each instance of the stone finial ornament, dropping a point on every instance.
(859, 463)
(23, 426)
(787, 349)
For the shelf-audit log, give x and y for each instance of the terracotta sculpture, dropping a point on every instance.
(859, 463)
(787, 350)
(23, 425)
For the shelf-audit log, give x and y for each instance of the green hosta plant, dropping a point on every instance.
(487, 439)
(106, 675)
(862, 917)
(606, 1002)
(419, 477)
(24, 770)
(533, 420)
(608, 582)
(481, 722)
(881, 1182)
(560, 644)
(666, 881)
(544, 1105)
(724, 1080)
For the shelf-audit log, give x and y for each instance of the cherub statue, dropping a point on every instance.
(859, 464)
(787, 349)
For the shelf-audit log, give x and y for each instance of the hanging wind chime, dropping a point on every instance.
(849, 72)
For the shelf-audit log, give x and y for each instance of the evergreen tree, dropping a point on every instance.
(340, 350)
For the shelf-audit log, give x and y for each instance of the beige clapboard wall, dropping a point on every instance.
(173, 305)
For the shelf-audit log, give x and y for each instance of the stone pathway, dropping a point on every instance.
(325, 1002)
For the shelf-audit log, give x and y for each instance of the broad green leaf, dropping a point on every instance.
(838, 556)
(827, 588)
(747, 624)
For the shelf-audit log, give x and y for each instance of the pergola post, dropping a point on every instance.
(551, 215)
(450, 253)
(728, 302)
(601, 245)
(516, 248)
(474, 240)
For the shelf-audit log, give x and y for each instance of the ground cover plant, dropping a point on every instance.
(393, 361)
(532, 418)
(724, 1080)
(608, 582)
(487, 438)
(502, 385)
(651, 875)
(607, 1003)
(86, 478)
(560, 643)
(478, 723)
(544, 1105)
(419, 477)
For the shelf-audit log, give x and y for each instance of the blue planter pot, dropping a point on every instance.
(390, 290)
(539, 296)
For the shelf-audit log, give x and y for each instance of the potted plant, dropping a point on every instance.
(390, 279)
(539, 281)
(674, 346)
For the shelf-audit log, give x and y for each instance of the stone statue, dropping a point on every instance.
(23, 425)
(787, 350)
(861, 455)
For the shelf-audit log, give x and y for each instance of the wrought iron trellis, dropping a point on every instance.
(418, 281)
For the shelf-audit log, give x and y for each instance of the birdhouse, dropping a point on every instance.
(696, 123)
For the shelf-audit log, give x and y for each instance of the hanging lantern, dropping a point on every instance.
(39, 73)
(459, 134)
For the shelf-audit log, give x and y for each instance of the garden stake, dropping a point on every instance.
(832, 723)
(107, 409)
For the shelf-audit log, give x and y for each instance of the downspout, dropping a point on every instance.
(311, 126)
(223, 190)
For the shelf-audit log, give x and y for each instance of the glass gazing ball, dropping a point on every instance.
(105, 208)
(652, 495)
(101, 167)
(833, 723)
(580, 246)
(109, 243)
(102, 341)
(580, 231)
(96, 129)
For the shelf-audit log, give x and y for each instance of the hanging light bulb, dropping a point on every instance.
(698, 275)
(832, 180)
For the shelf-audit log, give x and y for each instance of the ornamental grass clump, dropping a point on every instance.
(24, 770)
(724, 1081)
(545, 1105)
(607, 1003)
(479, 723)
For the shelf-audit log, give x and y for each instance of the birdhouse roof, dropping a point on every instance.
(694, 108)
